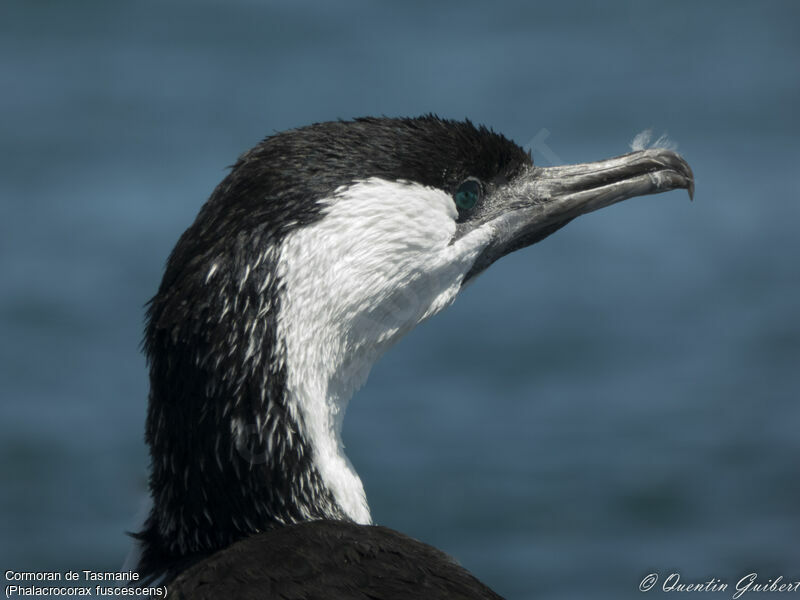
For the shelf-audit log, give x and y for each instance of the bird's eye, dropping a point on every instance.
(467, 194)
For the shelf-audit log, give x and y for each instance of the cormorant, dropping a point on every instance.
(320, 249)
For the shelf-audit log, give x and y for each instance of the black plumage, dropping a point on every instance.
(329, 560)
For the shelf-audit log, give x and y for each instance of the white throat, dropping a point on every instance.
(381, 260)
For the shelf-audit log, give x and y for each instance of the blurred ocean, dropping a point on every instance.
(621, 399)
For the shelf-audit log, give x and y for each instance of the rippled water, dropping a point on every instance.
(619, 400)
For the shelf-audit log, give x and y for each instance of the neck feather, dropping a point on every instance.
(237, 445)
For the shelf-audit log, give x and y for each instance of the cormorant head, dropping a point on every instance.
(372, 225)
(386, 220)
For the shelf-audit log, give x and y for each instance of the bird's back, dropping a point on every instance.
(329, 560)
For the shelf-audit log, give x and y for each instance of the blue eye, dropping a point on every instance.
(468, 194)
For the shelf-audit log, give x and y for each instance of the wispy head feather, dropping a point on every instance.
(642, 141)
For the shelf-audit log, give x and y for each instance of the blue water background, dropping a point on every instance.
(621, 399)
